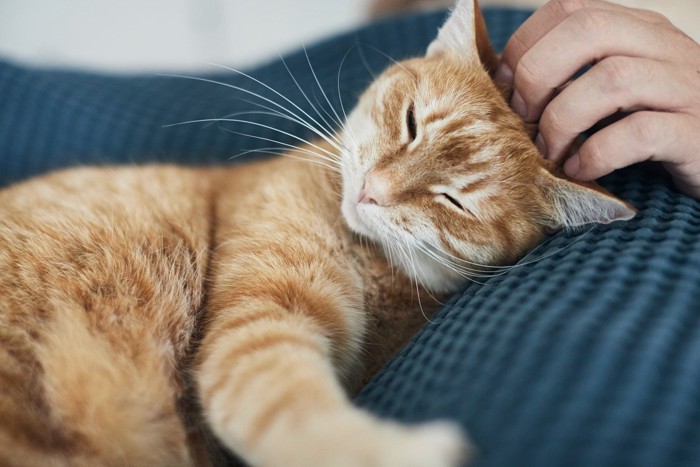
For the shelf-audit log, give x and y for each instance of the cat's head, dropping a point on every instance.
(444, 175)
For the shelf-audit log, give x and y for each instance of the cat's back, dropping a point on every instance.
(102, 274)
(72, 229)
(119, 241)
(89, 192)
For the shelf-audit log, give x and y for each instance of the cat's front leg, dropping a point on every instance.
(270, 393)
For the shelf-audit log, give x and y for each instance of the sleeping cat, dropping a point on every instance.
(147, 311)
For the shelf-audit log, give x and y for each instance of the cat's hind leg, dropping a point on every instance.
(73, 397)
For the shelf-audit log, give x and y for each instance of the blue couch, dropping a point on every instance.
(589, 356)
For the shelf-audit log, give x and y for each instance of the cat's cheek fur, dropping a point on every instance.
(429, 273)
(356, 162)
(352, 186)
(353, 220)
(399, 243)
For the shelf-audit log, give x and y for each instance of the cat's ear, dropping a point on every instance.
(464, 35)
(573, 203)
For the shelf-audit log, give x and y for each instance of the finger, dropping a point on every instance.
(581, 39)
(686, 177)
(544, 20)
(646, 135)
(616, 84)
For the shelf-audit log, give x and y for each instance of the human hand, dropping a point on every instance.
(644, 69)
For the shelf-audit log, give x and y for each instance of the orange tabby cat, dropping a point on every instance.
(142, 308)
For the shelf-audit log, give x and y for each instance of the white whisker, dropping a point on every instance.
(418, 284)
(365, 62)
(328, 130)
(399, 64)
(274, 113)
(335, 163)
(334, 157)
(340, 98)
(318, 83)
(259, 96)
(289, 155)
(305, 159)
(466, 273)
(253, 151)
(503, 269)
(329, 124)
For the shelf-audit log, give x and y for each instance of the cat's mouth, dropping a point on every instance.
(355, 218)
(362, 215)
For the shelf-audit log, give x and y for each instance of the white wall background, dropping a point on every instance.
(162, 35)
(166, 34)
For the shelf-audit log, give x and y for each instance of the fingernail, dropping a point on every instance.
(572, 166)
(518, 104)
(541, 145)
(504, 75)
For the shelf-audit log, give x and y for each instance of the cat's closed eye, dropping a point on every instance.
(456, 203)
(411, 122)
(452, 200)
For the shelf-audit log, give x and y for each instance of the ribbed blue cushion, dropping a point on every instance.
(54, 118)
(588, 356)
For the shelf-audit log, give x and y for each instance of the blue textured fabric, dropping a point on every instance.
(588, 356)
(53, 118)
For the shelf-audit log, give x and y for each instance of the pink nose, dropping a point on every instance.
(375, 190)
(364, 197)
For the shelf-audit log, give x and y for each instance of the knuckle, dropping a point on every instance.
(592, 155)
(527, 71)
(569, 6)
(676, 36)
(642, 129)
(552, 122)
(588, 20)
(528, 79)
(515, 49)
(655, 17)
(616, 73)
(555, 130)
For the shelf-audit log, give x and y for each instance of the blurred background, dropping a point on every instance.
(190, 35)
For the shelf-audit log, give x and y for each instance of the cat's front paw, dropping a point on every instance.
(368, 442)
(357, 439)
(440, 444)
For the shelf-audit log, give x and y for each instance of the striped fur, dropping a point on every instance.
(150, 315)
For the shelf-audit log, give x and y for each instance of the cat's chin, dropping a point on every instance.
(354, 221)
(426, 271)
(417, 265)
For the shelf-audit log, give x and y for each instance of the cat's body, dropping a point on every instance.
(107, 318)
(142, 308)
